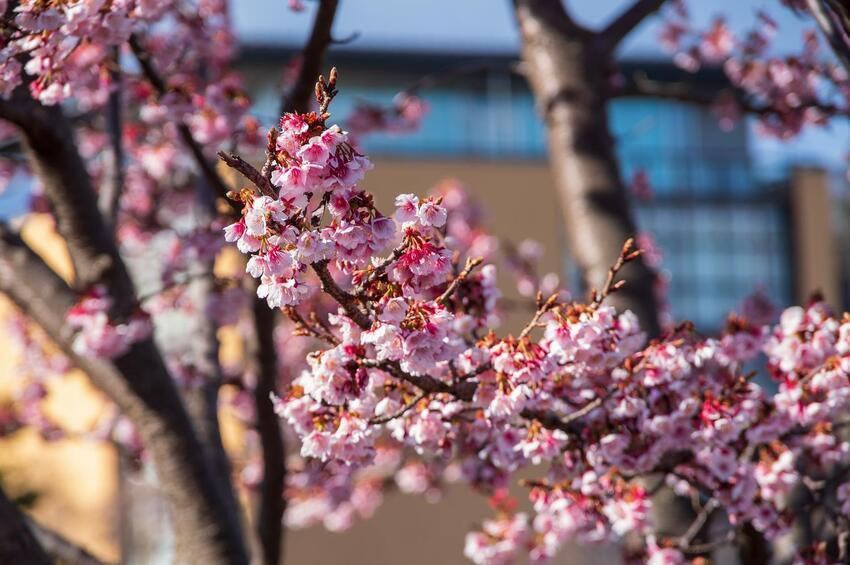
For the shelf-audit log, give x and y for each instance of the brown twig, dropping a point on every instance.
(312, 56)
(402, 411)
(697, 525)
(379, 269)
(641, 86)
(626, 22)
(207, 169)
(566, 423)
(248, 171)
(542, 308)
(325, 93)
(313, 328)
(627, 254)
(471, 264)
(346, 300)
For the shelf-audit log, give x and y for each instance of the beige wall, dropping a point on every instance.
(816, 263)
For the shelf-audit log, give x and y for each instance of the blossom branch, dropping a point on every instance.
(640, 86)
(627, 254)
(549, 419)
(240, 165)
(346, 300)
(206, 167)
(402, 411)
(467, 270)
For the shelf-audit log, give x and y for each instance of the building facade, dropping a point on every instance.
(724, 228)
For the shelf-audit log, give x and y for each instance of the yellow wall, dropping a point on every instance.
(74, 478)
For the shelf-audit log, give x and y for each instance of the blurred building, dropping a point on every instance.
(724, 228)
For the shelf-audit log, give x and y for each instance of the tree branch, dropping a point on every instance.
(626, 22)
(207, 168)
(272, 503)
(567, 73)
(113, 185)
(50, 149)
(346, 300)
(827, 20)
(242, 166)
(312, 56)
(684, 92)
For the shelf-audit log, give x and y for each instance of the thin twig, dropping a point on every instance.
(248, 171)
(467, 270)
(379, 269)
(346, 300)
(698, 523)
(542, 308)
(207, 169)
(401, 412)
(627, 254)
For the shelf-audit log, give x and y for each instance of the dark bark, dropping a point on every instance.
(17, 542)
(569, 79)
(753, 549)
(833, 19)
(204, 510)
(48, 142)
(113, 185)
(300, 95)
(202, 401)
(272, 503)
(610, 37)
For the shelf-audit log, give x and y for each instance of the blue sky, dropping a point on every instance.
(488, 26)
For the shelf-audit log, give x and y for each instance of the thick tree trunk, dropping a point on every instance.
(567, 72)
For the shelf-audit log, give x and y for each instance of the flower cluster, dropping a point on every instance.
(405, 114)
(97, 335)
(579, 390)
(794, 91)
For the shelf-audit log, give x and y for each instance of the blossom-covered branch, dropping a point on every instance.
(590, 398)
